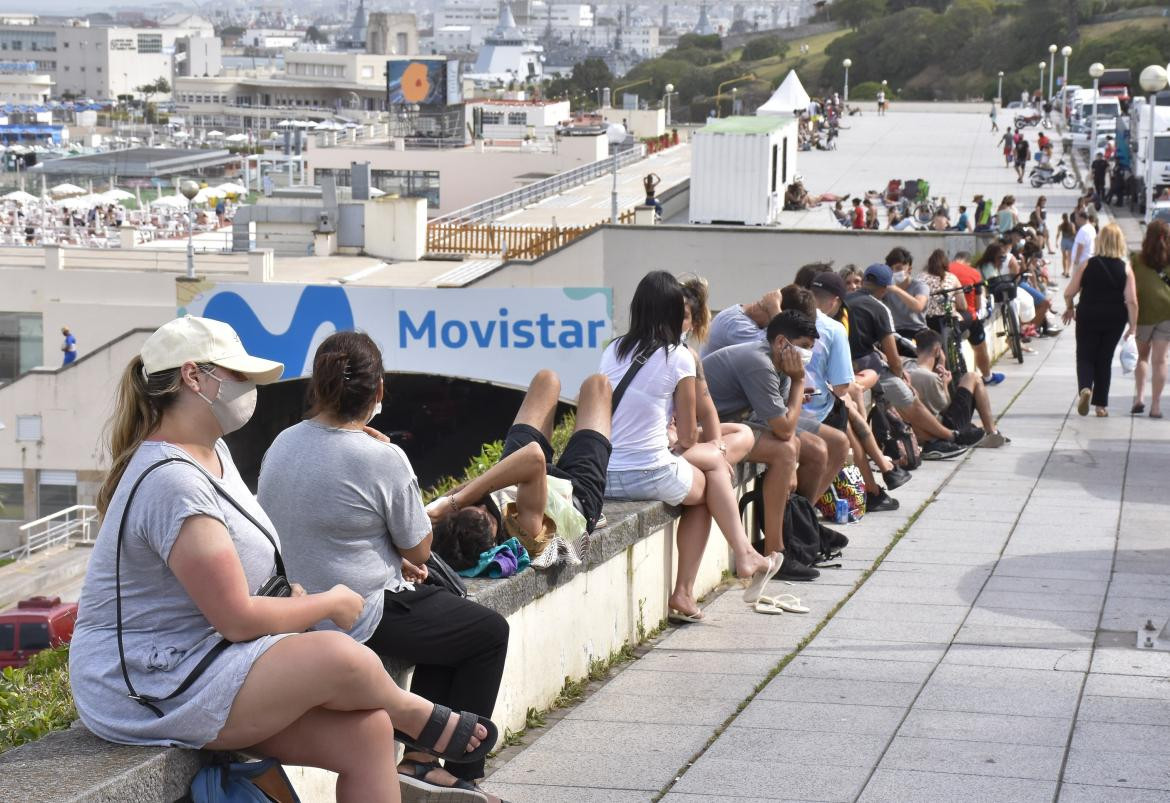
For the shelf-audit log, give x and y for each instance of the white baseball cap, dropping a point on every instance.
(204, 340)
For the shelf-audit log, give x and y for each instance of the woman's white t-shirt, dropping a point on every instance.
(638, 431)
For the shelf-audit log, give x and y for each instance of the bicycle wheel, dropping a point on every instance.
(1011, 325)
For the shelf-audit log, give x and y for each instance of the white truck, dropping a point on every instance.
(1142, 150)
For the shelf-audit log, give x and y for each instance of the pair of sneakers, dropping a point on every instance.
(959, 445)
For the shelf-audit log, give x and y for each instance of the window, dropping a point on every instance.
(11, 494)
(150, 43)
(21, 342)
(517, 118)
(57, 491)
(7, 637)
(367, 72)
(492, 118)
(28, 428)
(34, 635)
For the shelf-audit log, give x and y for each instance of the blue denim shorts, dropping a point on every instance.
(670, 483)
(1036, 295)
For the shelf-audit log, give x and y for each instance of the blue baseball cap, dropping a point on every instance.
(880, 274)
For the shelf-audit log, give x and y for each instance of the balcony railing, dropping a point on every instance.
(73, 524)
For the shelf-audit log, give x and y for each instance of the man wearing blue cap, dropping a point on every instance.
(871, 331)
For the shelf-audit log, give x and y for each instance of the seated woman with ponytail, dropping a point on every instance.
(187, 634)
(349, 511)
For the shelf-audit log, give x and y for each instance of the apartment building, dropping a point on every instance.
(85, 60)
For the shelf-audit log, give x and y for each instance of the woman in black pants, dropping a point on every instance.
(348, 509)
(1108, 302)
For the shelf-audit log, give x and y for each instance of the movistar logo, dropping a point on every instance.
(502, 332)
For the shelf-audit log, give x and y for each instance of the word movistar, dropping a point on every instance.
(508, 333)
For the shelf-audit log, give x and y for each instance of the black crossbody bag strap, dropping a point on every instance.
(223, 644)
(631, 372)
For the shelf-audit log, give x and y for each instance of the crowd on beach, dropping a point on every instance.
(213, 618)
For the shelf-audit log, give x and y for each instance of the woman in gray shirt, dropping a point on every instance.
(173, 646)
(347, 504)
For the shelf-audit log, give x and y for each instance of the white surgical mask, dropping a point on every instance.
(376, 412)
(899, 277)
(805, 355)
(233, 404)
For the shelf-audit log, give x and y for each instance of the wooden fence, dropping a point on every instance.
(512, 242)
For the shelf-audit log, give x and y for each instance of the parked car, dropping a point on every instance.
(33, 625)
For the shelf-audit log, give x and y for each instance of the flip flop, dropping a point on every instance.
(685, 618)
(416, 788)
(755, 588)
(785, 602)
(767, 606)
(456, 751)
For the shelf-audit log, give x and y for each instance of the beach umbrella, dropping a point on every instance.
(173, 201)
(235, 138)
(116, 194)
(20, 196)
(231, 188)
(285, 124)
(214, 134)
(64, 190)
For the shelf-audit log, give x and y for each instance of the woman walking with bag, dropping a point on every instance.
(173, 646)
(1108, 302)
(348, 507)
(1151, 272)
(654, 380)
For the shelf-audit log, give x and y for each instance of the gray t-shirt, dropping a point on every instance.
(904, 317)
(343, 502)
(743, 378)
(730, 327)
(164, 633)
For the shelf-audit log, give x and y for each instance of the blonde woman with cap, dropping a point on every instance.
(188, 635)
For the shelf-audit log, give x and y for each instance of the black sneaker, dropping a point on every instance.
(969, 436)
(942, 450)
(896, 477)
(880, 502)
(796, 572)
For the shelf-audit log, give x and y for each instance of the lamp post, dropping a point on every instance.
(1065, 51)
(847, 63)
(1096, 70)
(1153, 80)
(1043, 64)
(999, 91)
(669, 91)
(1051, 69)
(190, 189)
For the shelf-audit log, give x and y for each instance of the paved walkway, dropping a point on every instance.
(989, 656)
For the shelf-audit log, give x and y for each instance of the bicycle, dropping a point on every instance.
(1003, 290)
(952, 333)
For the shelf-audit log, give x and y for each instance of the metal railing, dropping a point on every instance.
(539, 190)
(506, 242)
(71, 524)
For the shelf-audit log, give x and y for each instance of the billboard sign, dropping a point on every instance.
(502, 335)
(421, 81)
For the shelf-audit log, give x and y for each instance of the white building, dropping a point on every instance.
(517, 119)
(271, 38)
(23, 86)
(101, 61)
(640, 39)
(478, 17)
(508, 54)
(448, 39)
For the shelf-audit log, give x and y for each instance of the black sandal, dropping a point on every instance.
(456, 751)
(417, 789)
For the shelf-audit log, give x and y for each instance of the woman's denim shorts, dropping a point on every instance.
(670, 483)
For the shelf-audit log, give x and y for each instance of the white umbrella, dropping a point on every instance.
(284, 124)
(62, 190)
(214, 134)
(204, 195)
(304, 124)
(232, 188)
(235, 138)
(21, 197)
(82, 201)
(176, 201)
(376, 193)
(116, 194)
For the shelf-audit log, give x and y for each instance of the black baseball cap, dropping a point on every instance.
(830, 282)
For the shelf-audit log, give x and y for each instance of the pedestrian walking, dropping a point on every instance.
(1008, 144)
(1151, 273)
(1108, 301)
(1022, 152)
(1100, 168)
(994, 117)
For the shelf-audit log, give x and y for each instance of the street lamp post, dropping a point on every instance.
(999, 91)
(1065, 51)
(1153, 80)
(190, 189)
(847, 63)
(669, 91)
(1096, 70)
(1043, 64)
(1051, 69)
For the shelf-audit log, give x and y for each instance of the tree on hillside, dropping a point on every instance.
(763, 47)
(854, 12)
(700, 41)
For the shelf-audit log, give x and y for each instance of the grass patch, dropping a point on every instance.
(6, 561)
(36, 699)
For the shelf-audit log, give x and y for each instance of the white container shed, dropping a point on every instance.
(739, 169)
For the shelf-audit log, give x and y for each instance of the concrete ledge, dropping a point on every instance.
(560, 620)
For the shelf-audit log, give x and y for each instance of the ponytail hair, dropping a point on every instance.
(346, 371)
(141, 401)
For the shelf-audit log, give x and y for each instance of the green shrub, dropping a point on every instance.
(36, 699)
(763, 47)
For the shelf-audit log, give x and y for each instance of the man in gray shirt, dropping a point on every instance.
(740, 323)
(906, 298)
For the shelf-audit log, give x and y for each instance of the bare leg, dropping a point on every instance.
(691, 534)
(1158, 357)
(864, 434)
(1139, 371)
(982, 359)
(739, 440)
(781, 459)
(837, 447)
(814, 458)
(871, 483)
(714, 488)
(594, 405)
(323, 669)
(540, 403)
(925, 425)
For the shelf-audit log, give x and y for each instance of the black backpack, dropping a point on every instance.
(895, 438)
(806, 540)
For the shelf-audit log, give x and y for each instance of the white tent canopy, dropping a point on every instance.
(21, 197)
(789, 97)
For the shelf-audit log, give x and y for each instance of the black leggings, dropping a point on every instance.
(1096, 342)
(458, 649)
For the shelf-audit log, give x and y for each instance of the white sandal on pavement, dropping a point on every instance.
(784, 602)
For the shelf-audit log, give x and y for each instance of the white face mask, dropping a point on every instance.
(899, 277)
(234, 403)
(805, 355)
(375, 413)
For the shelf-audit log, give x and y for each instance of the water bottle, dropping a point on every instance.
(842, 512)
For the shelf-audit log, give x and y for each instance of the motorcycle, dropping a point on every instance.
(1031, 118)
(1059, 174)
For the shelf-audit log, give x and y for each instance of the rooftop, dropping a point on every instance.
(137, 162)
(744, 125)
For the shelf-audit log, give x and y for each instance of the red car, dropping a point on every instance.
(33, 625)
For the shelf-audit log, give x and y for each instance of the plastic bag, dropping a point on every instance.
(1025, 306)
(1128, 355)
